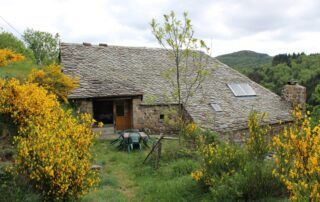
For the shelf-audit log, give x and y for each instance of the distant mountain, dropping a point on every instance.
(245, 59)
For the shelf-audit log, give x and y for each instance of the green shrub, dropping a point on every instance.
(258, 182)
(233, 172)
(15, 188)
(183, 167)
(210, 137)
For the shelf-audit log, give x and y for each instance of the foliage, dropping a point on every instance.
(15, 188)
(297, 158)
(190, 71)
(198, 136)
(44, 46)
(54, 81)
(316, 94)
(9, 41)
(285, 58)
(257, 142)
(52, 145)
(8, 56)
(231, 172)
(191, 65)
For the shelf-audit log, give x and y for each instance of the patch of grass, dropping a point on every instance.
(125, 178)
(102, 195)
(19, 70)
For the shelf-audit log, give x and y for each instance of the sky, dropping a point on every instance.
(266, 26)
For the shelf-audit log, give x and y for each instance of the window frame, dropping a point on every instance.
(216, 107)
(245, 89)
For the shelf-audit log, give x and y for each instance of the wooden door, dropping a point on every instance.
(123, 111)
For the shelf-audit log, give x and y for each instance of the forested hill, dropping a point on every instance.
(245, 59)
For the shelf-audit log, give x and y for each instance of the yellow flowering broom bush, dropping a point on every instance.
(53, 146)
(257, 142)
(297, 158)
(8, 56)
(53, 80)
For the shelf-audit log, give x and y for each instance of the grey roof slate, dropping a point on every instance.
(115, 70)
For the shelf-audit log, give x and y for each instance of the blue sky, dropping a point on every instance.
(268, 26)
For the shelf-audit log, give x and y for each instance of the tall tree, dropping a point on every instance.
(189, 72)
(190, 69)
(9, 41)
(44, 45)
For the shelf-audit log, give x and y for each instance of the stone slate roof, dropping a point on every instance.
(115, 71)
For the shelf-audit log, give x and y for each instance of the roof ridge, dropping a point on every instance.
(115, 46)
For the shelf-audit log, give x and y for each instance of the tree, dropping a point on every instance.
(9, 41)
(44, 45)
(190, 70)
(316, 94)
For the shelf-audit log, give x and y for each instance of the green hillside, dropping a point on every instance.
(18, 70)
(245, 59)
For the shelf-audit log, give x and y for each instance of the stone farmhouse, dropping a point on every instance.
(114, 81)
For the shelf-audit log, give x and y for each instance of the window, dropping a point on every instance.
(161, 118)
(216, 107)
(242, 89)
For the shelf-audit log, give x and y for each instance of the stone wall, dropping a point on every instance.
(151, 118)
(295, 94)
(137, 116)
(85, 106)
(238, 136)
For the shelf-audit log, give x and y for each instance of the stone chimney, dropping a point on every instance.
(103, 44)
(295, 94)
(86, 44)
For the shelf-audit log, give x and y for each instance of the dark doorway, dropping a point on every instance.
(103, 111)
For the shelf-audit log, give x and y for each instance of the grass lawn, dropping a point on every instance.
(125, 178)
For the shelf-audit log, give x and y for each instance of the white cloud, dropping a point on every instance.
(271, 26)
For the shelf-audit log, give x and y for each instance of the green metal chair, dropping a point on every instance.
(134, 141)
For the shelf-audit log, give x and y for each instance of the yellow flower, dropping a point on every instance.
(9, 56)
(197, 175)
(47, 140)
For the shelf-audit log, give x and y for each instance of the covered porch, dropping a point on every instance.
(116, 113)
(113, 112)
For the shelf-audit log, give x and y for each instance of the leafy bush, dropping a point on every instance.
(15, 188)
(8, 56)
(257, 143)
(183, 167)
(196, 137)
(53, 146)
(53, 80)
(258, 182)
(297, 158)
(231, 172)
